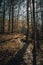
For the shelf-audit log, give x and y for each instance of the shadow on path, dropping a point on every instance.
(18, 59)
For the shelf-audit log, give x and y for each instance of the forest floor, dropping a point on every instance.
(13, 51)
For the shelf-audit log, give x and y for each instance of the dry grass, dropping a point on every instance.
(9, 49)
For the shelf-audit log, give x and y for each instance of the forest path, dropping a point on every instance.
(20, 57)
(15, 51)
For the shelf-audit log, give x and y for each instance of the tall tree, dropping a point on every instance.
(9, 16)
(27, 20)
(12, 16)
(34, 48)
(41, 6)
(3, 14)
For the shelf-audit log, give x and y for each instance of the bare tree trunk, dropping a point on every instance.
(34, 48)
(41, 6)
(27, 21)
(12, 17)
(9, 18)
(3, 15)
